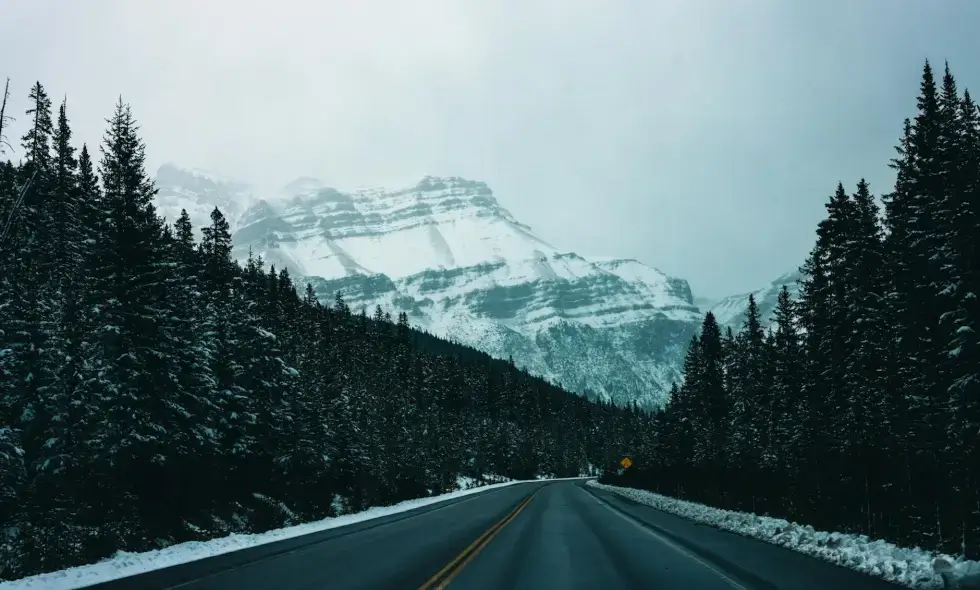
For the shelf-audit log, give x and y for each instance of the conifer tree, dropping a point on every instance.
(224, 307)
(31, 298)
(710, 387)
(961, 322)
(133, 357)
(789, 406)
(64, 198)
(913, 211)
(194, 349)
(90, 204)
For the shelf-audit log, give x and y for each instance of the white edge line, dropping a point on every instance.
(670, 544)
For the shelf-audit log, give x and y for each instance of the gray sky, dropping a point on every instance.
(701, 137)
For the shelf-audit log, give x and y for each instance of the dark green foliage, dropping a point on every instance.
(859, 411)
(153, 391)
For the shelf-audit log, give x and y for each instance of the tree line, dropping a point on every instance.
(154, 391)
(859, 410)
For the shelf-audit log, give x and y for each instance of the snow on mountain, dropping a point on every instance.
(446, 252)
(199, 192)
(730, 311)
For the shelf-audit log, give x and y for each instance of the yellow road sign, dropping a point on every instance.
(626, 462)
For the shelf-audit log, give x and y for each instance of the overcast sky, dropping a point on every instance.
(701, 137)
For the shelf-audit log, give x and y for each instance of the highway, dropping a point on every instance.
(531, 536)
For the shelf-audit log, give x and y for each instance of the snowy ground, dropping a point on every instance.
(125, 564)
(915, 568)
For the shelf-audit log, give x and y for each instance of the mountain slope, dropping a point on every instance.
(730, 311)
(200, 191)
(446, 252)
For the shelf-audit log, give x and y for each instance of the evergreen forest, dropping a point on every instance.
(859, 409)
(154, 391)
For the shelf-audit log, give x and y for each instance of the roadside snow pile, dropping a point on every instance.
(915, 568)
(124, 564)
(465, 482)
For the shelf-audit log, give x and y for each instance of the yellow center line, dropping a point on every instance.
(455, 566)
(483, 545)
(471, 546)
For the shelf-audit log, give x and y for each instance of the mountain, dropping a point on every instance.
(730, 311)
(450, 255)
(199, 192)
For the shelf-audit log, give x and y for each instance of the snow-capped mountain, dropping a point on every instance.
(199, 192)
(446, 252)
(730, 311)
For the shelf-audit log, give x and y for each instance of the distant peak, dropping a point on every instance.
(169, 171)
(613, 260)
(788, 279)
(303, 184)
(435, 183)
(616, 262)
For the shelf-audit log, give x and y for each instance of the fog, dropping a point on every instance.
(700, 137)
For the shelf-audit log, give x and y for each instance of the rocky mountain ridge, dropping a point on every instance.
(450, 255)
(730, 311)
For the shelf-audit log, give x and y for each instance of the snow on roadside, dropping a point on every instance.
(124, 564)
(915, 568)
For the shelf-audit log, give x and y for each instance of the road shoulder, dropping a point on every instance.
(757, 563)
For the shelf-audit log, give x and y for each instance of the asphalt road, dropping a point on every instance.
(535, 536)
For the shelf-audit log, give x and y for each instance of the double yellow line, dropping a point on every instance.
(446, 575)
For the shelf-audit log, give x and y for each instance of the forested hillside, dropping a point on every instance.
(860, 411)
(152, 391)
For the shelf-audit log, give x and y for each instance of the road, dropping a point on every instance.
(561, 535)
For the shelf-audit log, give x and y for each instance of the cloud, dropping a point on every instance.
(699, 136)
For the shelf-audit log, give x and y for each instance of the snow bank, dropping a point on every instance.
(125, 564)
(915, 568)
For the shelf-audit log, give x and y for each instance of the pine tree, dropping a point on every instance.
(914, 217)
(789, 406)
(32, 214)
(308, 464)
(13, 470)
(58, 526)
(264, 379)
(340, 306)
(131, 366)
(223, 325)
(403, 329)
(751, 405)
(32, 298)
(956, 232)
(685, 404)
(90, 202)
(13, 473)
(68, 240)
(816, 315)
(962, 323)
(713, 403)
(196, 423)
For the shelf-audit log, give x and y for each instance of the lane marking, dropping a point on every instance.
(669, 543)
(482, 546)
(462, 555)
(328, 533)
(443, 577)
